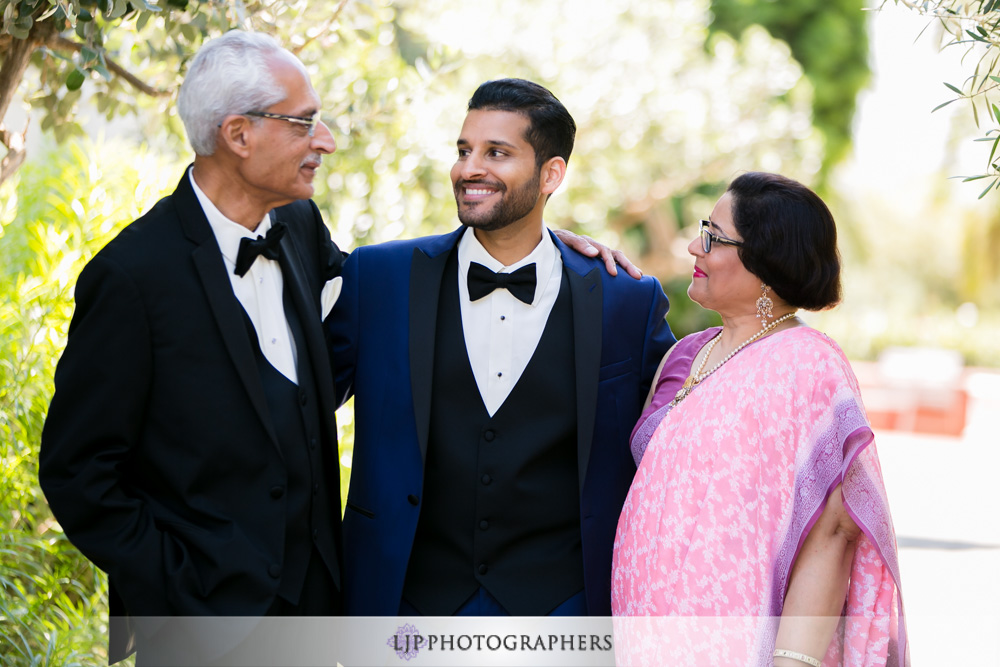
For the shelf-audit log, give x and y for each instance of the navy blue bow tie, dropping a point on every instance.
(250, 249)
(520, 283)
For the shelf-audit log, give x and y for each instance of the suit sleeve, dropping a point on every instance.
(658, 337)
(95, 418)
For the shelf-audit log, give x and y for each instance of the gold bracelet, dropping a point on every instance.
(801, 657)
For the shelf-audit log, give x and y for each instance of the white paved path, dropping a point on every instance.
(944, 493)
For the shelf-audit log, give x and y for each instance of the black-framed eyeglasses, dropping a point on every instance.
(708, 238)
(309, 122)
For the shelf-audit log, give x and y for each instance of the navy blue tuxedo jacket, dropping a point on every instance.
(382, 346)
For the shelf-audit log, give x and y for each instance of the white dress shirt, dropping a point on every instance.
(259, 290)
(501, 332)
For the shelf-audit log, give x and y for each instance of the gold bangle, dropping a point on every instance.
(801, 657)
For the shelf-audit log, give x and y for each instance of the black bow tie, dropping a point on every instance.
(520, 283)
(262, 245)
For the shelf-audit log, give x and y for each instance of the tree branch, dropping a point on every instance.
(936, 10)
(16, 151)
(329, 22)
(60, 43)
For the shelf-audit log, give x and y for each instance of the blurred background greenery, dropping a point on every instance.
(673, 98)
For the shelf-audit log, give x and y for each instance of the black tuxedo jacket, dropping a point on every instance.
(158, 456)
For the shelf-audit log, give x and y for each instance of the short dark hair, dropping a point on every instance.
(789, 239)
(551, 131)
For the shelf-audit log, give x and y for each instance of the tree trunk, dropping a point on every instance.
(15, 64)
(12, 71)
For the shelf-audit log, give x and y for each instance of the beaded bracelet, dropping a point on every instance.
(801, 657)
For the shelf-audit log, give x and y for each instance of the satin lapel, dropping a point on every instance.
(309, 317)
(587, 296)
(225, 307)
(426, 272)
(229, 318)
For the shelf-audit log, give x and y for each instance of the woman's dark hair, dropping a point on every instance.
(551, 131)
(789, 239)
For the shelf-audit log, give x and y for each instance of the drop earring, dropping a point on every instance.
(764, 305)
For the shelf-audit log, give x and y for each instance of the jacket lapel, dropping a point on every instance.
(307, 308)
(225, 307)
(426, 272)
(587, 292)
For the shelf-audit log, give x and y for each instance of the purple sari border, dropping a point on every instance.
(856, 442)
(671, 377)
(827, 464)
(839, 479)
(892, 565)
(901, 639)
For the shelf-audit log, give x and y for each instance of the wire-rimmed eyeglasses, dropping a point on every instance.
(708, 238)
(309, 122)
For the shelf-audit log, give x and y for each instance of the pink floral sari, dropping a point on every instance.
(730, 484)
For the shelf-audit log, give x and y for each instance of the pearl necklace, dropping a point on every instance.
(695, 378)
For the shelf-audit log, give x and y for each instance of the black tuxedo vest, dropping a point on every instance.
(501, 501)
(294, 410)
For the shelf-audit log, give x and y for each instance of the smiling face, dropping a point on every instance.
(495, 178)
(284, 158)
(720, 282)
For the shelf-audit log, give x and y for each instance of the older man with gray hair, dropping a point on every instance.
(190, 448)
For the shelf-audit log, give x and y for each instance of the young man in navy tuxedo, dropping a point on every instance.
(496, 377)
(190, 448)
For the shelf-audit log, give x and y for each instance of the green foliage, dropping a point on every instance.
(113, 49)
(55, 214)
(973, 25)
(658, 113)
(395, 76)
(129, 56)
(685, 315)
(917, 271)
(385, 180)
(830, 41)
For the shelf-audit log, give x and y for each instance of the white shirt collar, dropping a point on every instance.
(544, 256)
(227, 232)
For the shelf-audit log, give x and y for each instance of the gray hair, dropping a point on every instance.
(230, 75)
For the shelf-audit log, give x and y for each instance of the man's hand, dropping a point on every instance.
(591, 248)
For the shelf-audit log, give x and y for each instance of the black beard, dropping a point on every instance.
(513, 206)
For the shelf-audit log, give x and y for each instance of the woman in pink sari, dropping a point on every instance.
(758, 500)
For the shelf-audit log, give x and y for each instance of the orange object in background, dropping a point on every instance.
(921, 390)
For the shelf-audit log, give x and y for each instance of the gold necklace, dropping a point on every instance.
(695, 378)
